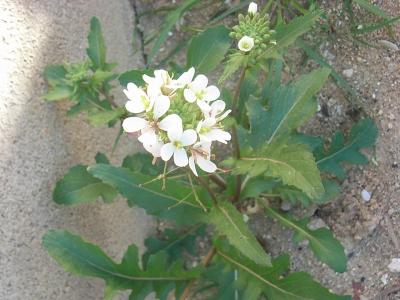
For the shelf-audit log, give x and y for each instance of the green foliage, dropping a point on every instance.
(142, 163)
(97, 47)
(98, 118)
(134, 76)
(176, 203)
(174, 243)
(229, 222)
(293, 164)
(257, 280)
(84, 259)
(79, 186)
(290, 106)
(325, 247)
(168, 25)
(362, 135)
(208, 49)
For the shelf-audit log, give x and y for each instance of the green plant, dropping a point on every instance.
(270, 158)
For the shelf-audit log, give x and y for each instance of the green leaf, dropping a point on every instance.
(322, 242)
(362, 135)
(290, 107)
(174, 243)
(208, 49)
(293, 164)
(142, 163)
(176, 203)
(168, 25)
(85, 259)
(286, 34)
(101, 158)
(229, 222)
(100, 77)
(257, 280)
(98, 118)
(97, 47)
(78, 186)
(134, 76)
(59, 92)
(235, 61)
(372, 8)
(54, 74)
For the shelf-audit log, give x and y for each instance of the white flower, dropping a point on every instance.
(199, 91)
(155, 148)
(252, 8)
(161, 83)
(185, 79)
(139, 101)
(246, 43)
(208, 131)
(201, 157)
(214, 110)
(178, 140)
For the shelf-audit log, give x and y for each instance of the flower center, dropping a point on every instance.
(145, 101)
(177, 144)
(200, 94)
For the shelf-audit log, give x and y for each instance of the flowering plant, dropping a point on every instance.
(185, 125)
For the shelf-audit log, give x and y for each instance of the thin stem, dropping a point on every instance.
(218, 180)
(208, 188)
(206, 262)
(194, 191)
(236, 146)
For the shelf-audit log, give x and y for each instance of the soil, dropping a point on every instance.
(369, 230)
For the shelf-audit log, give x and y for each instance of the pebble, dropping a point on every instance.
(365, 195)
(348, 73)
(394, 265)
(388, 45)
(316, 224)
(286, 206)
(385, 278)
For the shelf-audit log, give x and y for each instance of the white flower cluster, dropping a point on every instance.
(177, 118)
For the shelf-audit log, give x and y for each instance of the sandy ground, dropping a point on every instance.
(38, 144)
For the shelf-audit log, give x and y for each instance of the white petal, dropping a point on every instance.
(133, 124)
(154, 149)
(180, 157)
(209, 122)
(204, 107)
(134, 106)
(206, 165)
(189, 95)
(218, 135)
(218, 107)
(189, 137)
(130, 90)
(223, 116)
(204, 147)
(149, 137)
(153, 90)
(211, 93)
(192, 165)
(246, 43)
(167, 151)
(148, 79)
(199, 126)
(199, 83)
(186, 77)
(170, 121)
(175, 133)
(161, 106)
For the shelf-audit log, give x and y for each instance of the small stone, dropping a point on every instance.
(286, 206)
(316, 223)
(362, 297)
(385, 278)
(245, 218)
(348, 73)
(394, 265)
(388, 45)
(365, 195)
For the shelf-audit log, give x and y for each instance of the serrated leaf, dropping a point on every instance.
(168, 24)
(173, 243)
(362, 135)
(176, 203)
(293, 164)
(207, 49)
(229, 222)
(135, 76)
(322, 242)
(97, 48)
(286, 34)
(268, 281)
(54, 74)
(235, 61)
(142, 163)
(85, 259)
(78, 186)
(98, 118)
(290, 106)
(59, 92)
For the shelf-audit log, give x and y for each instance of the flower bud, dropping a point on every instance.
(246, 43)
(252, 8)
